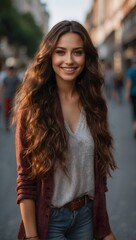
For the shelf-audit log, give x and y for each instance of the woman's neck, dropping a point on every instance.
(67, 90)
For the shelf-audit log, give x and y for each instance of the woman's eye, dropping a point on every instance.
(78, 53)
(59, 52)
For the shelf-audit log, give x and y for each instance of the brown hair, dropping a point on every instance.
(45, 133)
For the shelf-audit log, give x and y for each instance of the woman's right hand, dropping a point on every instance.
(32, 238)
(110, 237)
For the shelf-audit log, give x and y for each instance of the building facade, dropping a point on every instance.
(112, 27)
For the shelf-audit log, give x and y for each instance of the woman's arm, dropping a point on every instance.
(27, 208)
(110, 237)
(26, 187)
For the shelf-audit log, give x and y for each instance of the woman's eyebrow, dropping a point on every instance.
(76, 48)
(60, 48)
(79, 48)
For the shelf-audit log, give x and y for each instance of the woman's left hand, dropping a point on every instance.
(110, 237)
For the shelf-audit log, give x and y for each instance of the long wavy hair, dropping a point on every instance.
(38, 101)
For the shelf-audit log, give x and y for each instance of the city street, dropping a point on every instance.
(121, 197)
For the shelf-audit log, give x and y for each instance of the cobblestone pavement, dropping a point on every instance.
(121, 197)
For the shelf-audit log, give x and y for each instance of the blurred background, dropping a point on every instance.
(112, 28)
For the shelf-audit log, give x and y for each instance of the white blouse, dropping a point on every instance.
(80, 166)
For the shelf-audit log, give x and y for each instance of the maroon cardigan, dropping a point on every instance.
(41, 192)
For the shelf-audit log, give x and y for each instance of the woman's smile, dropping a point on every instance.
(69, 70)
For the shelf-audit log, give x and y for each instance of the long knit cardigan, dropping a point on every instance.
(41, 191)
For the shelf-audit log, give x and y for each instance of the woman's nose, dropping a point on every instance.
(69, 58)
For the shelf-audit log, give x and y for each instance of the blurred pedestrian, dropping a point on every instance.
(10, 85)
(1, 99)
(63, 145)
(2, 75)
(109, 80)
(131, 90)
(119, 86)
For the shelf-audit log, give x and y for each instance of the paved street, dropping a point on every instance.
(121, 198)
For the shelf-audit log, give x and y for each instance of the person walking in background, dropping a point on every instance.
(10, 84)
(119, 86)
(1, 97)
(63, 143)
(131, 90)
(2, 75)
(1, 93)
(109, 80)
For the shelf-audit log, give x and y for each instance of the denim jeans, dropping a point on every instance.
(65, 224)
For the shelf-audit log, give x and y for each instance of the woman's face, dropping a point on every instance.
(68, 58)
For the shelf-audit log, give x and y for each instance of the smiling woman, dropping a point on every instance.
(63, 143)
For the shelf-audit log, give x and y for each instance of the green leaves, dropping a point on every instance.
(20, 29)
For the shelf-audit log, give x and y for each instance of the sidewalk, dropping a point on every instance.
(122, 186)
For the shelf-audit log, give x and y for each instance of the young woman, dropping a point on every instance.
(63, 145)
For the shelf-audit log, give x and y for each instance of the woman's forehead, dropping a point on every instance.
(70, 39)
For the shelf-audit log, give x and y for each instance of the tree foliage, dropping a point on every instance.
(20, 29)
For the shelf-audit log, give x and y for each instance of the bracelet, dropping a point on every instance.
(31, 237)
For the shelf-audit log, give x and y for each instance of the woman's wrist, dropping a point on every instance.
(32, 237)
(110, 237)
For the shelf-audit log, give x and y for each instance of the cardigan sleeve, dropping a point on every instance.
(26, 187)
(105, 184)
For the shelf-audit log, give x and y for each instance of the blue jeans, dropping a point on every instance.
(65, 224)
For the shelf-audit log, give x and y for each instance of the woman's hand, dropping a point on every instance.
(110, 237)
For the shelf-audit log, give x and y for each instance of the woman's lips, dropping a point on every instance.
(69, 69)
